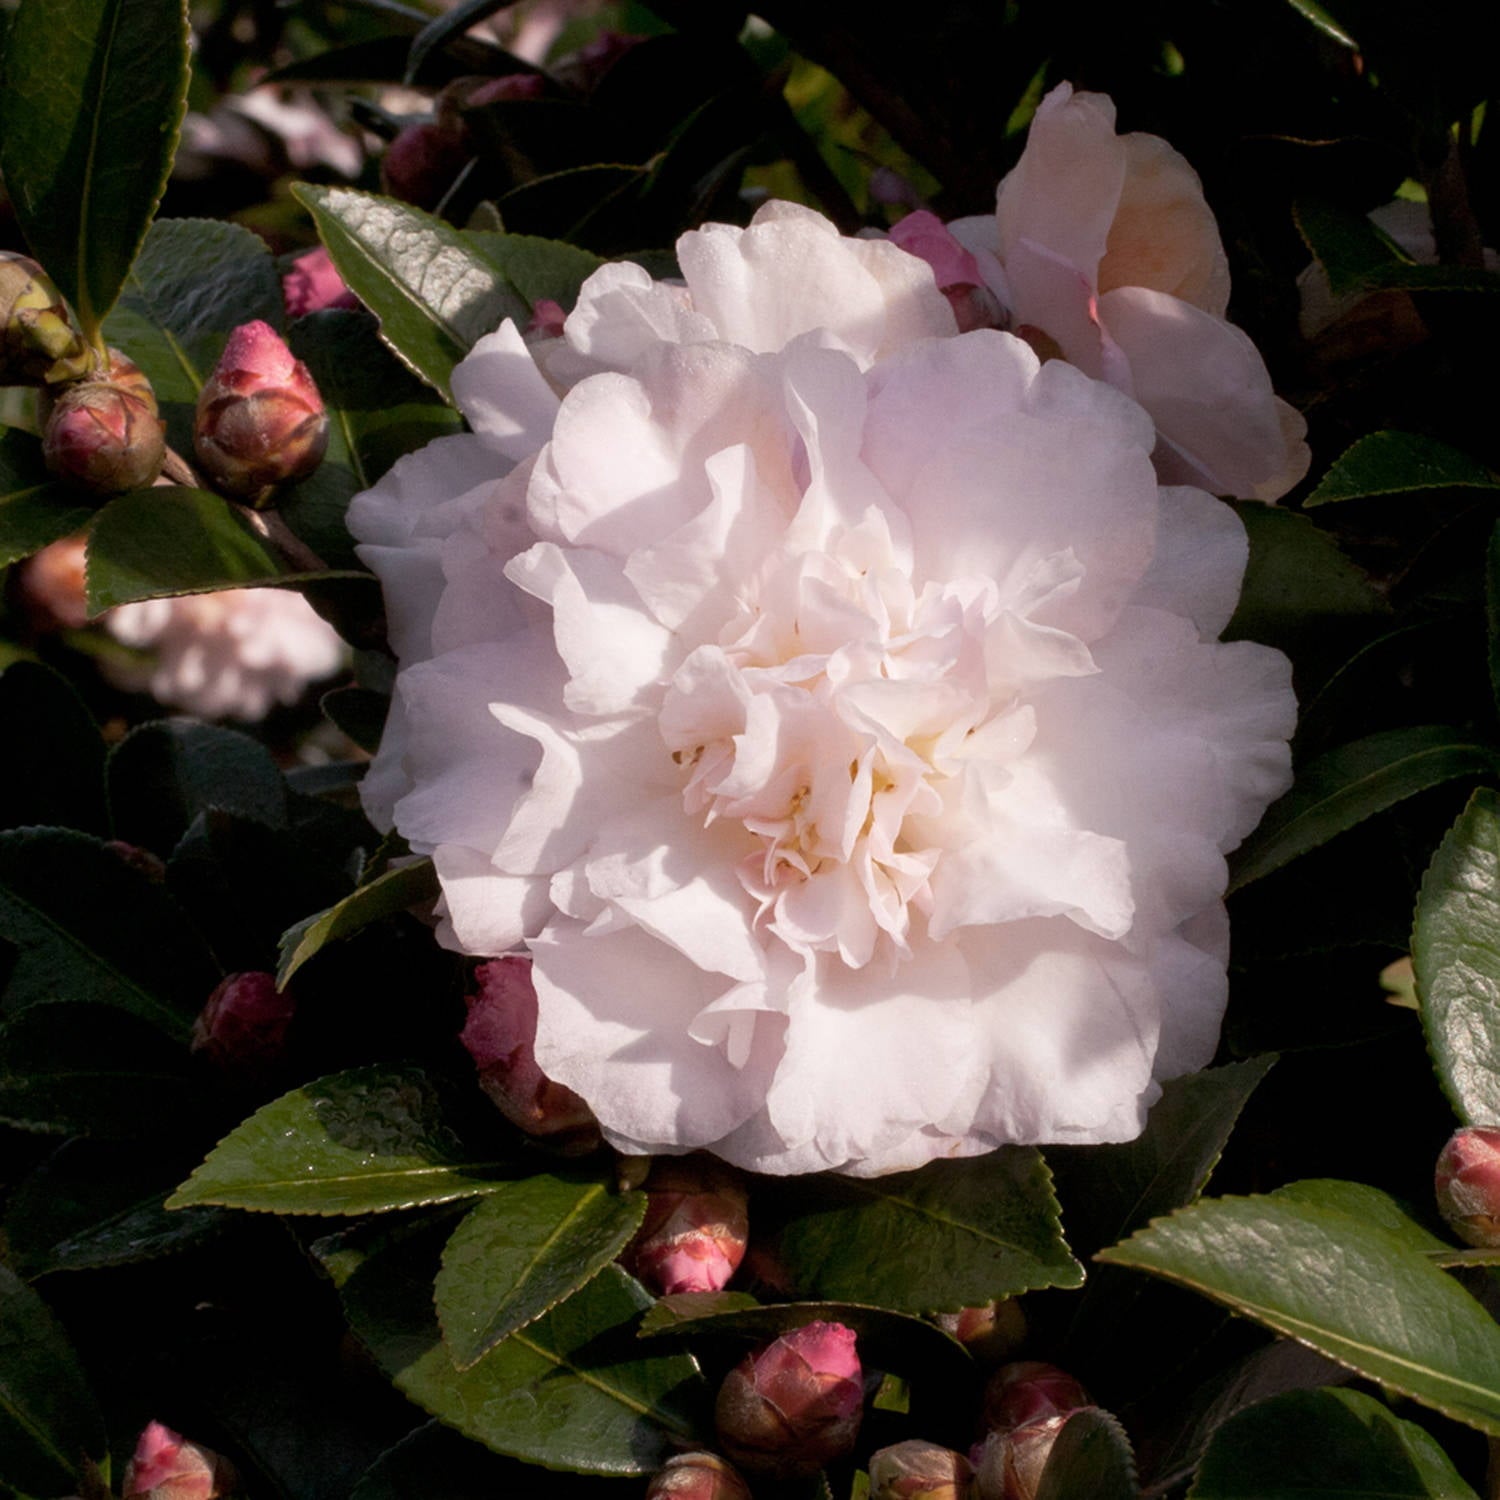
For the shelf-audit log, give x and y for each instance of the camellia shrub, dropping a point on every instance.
(748, 753)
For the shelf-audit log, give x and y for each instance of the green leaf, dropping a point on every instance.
(395, 890)
(434, 294)
(1456, 956)
(358, 712)
(49, 1424)
(572, 1390)
(1324, 22)
(96, 1203)
(53, 773)
(1109, 1191)
(952, 1235)
(92, 1070)
(1399, 463)
(520, 1252)
(1333, 1444)
(35, 510)
(1353, 1290)
(445, 28)
(90, 108)
(1090, 1456)
(888, 1340)
(164, 541)
(1345, 786)
(1358, 257)
(538, 268)
(1492, 608)
(377, 411)
(164, 773)
(89, 927)
(194, 282)
(363, 1141)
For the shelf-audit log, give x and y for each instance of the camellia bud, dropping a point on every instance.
(693, 1236)
(312, 282)
(103, 433)
(1027, 1392)
(1010, 1464)
(167, 1467)
(795, 1405)
(260, 420)
(39, 344)
(243, 1027)
(918, 1470)
(1468, 1185)
(697, 1476)
(421, 163)
(500, 1035)
(989, 1332)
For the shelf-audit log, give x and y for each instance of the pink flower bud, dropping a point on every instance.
(547, 319)
(697, 1476)
(103, 433)
(421, 162)
(1010, 1464)
(500, 1035)
(243, 1027)
(142, 861)
(693, 1236)
(312, 282)
(918, 1470)
(260, 419)
(989, 1332)
(1468, 1185)
(51, 586)
(794, 1406)
(1028, 1391)
(167, 1467)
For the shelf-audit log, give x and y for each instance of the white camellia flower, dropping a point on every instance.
(831, 704)
(232, 654)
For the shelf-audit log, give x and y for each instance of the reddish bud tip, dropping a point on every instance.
(547, 319)
(1468, 1185)
(142, 861)
(990, 1332)
(167, 1467)
(243, 1027)
(260, 421)
(794, 1406)
(312, 283)
(1027, 1392)
(500, 1035)
(696, 1226)
(918, 1470)
(697, 1476)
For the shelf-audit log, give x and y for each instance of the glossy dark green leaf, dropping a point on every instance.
(75, 1069)
(395, 890)
(1324, 22)
(49, 1423)
(1109, 1191)
(163, 774)
(538, 269)
(952, 1235)
(363, 1141)
(100, 1203)
(888, 1340)
(1399, 463)
(166, 540)
(194, 282)
(521, 1251)
(573, 1390)
(1090, 1456)
(438, 32)
(1333, 1444)
(90, 107)
(1359, 257)
(35, 510)
(54, 773)
(1456, 956)
(359, 712)
(434, 294)
(1355, 1290)
(1345, 786)
(377, 411)
(89, 927)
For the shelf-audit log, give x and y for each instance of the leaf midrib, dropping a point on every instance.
(86, 313)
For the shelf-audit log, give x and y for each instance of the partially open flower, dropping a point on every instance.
(103, 434)
(696, 1476)
(39, 343)
(1468, 1185)
(168, 1467)
(695, 1230)
(243, 1027)
(1009, 1465)
(260, 421)
(500, 1036)
(918, 1470)
(795, 1405)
